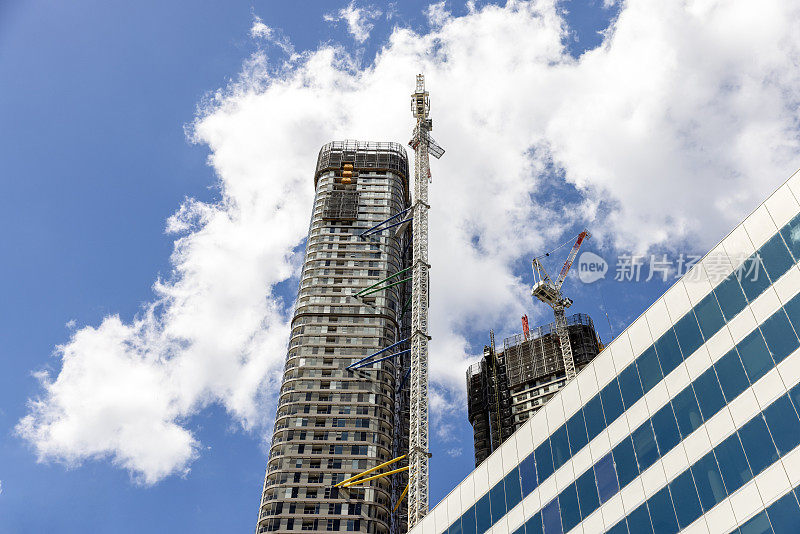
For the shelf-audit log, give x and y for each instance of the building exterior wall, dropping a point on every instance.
(505, 389)
(688, 421)
(331, 422)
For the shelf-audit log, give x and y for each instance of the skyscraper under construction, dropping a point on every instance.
(338, 414)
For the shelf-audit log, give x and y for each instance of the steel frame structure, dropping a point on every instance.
(418, 454)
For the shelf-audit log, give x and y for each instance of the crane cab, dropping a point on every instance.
(546, 293)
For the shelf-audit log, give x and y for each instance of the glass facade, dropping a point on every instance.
(688, 421)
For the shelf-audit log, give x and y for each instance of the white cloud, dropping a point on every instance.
(358, 19)
(437, 14)
(679, 124)
(455, 452)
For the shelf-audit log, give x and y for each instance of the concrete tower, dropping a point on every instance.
(333, 422)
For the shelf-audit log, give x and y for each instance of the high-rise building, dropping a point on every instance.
(333, 422)
(688, 421)
(505, 388)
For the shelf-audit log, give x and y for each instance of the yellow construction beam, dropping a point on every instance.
(387, 473)
(402, 496)
(368, 471)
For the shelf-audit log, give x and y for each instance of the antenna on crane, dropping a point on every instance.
(418, 454)
(550, 293)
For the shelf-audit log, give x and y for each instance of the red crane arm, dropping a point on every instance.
(574, 252)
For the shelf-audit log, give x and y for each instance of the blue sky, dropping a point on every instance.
(96, 105)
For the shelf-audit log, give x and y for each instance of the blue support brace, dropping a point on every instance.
(376, 353)
(393, 217)
(403, 382)
(359, 366)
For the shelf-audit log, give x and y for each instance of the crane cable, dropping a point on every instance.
(567, 242)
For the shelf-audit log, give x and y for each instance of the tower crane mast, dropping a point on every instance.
(550, 293)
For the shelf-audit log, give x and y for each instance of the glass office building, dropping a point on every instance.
(688, 421)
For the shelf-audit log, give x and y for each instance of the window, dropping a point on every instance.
(544, 460)
(731, 375)
(784, 514)
(639, 521)
(730, 296)
(757, 444)
(662, 513)
(775, 257)
(708, 480)
(612, 402)
(757, 525)
(669, 354)
(709, 393)
(527, 471)
(534, 524)
(604, 473)
(560, 445)
(513, 490)
(455, 528)
(686, 411)
(753, 277)
(551, 518)
(732, 463)
(684, 496)
(649, 369)
(644, 442)
(577, 432)
(570, 513)
(688, 332)
(755, 356)
(468, 521)
(619, 528)
(498, 501)
(593, 414)
(709, 316)
(781, 339)
(630, 386)
(783, 424)
(666, 429)
(791, 236)
(483, 514)
(587, 493)
(625, 462)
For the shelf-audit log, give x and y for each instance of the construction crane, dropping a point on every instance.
(418, 454)
(550, 293)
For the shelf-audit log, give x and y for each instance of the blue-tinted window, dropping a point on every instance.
(570, 513)
(544, 460)
(455, 528)
(639, 521)
(606, 476)
(687, 411)
(732, 463)
(780, 337)
(483, 514)
(755, 356)
(758, 524)
(560, 445)
(784, 514)
(666, 429)
(709, 315)
(752, 277)
(662, 514)
(587, 493)
(498, 498)
(551, 517)
(593, 413)
(513, 490)
(619, 528)
(669, 354)
(468, 521)
(775, 257)
(731, 375)
(612, 401)
(730, 296)
(757, 444)
(644, 443)
(794, 395)
(534, 524)
(520, 530)
(649, 369)
(625, 462)
(783, 424)
(793, 311)
(709, 481)
(791, 235)
(630, 386)
(709, 393)
(577, 432)
(688, 332)
(684, 495)
(527, 471)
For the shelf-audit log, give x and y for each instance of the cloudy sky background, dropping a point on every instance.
(658, 133)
